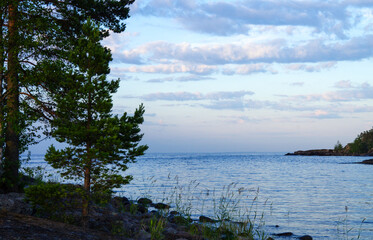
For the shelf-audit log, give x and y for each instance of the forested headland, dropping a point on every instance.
(361, 146)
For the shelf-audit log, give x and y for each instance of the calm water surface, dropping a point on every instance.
(301, 194)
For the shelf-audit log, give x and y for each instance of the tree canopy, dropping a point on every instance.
(36, 38)
(100, 144)
(363, 143)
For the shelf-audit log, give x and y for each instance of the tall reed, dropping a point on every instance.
(235, 211)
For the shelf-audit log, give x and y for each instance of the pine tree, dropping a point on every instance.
(100, 144)
(36, 37)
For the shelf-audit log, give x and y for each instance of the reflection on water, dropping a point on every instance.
(301, 194)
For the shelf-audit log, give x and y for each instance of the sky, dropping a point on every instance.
(248, 75)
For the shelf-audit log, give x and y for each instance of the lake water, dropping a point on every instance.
(325, 197)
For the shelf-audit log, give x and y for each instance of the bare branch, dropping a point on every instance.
(41, 104)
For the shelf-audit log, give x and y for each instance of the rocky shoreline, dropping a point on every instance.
(369, 162)
(325, 152)
(119, 219)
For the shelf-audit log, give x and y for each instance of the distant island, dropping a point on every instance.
(361, 146)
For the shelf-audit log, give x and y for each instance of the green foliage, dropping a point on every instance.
(100, 144)
(363, 143)
(118, 229)
(156, 228)
(54, 200)
(133, 208)
(181, 220)
(36, 36)
(338, 147)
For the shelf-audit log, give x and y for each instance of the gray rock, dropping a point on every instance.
(142, 209)
(178, 219)
(144, 201)
(207, 219)
(305, 237)
(170, 230)
(120, 202)
(15, 202)
(284, 234)
(161, 206)
(143, 235)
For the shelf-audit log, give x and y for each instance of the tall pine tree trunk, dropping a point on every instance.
(88, 165)
(11, 163)
(87, 189)
(2, 78)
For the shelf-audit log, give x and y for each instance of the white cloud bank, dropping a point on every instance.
(309, 36)
(278, 51)
(236, 17)
(243, 58)
(321, 106)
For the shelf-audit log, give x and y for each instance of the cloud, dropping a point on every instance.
(330, 105)
(216, 25)
(203, 58)
(228, 95)
(159, 123)
(234, 100)
(297, 84)
(187, 96)
(227, 105)
(150, 114)
(358, 109)
(116, 41)
(316, 50)
(246, 119)
(365, 91)
(309, 36)
(248, 69)
(172, 68)
(311, 68)
(206, 54)
(236, 17)
(322, 114)
(116, 72)
(190, 78)
(343, 84)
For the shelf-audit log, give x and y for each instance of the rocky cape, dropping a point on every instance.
(326, 152)
(369, 162)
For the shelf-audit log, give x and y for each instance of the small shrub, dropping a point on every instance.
(54, 200)
(101, 197)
